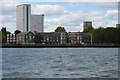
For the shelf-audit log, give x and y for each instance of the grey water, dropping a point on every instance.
(59, 62)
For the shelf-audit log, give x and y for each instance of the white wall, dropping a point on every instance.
(21, 17)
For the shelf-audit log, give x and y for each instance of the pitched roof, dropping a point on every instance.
(24, 33)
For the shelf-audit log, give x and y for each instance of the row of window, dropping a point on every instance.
(27, 37)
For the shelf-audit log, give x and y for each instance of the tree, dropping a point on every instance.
(38, 38)
(106, 35)
(4, 38)
(60, 29)
(0, 37)
(4, 35)
(3, 30)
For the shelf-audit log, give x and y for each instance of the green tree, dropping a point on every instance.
(60, 29)
(105, 35)
(4, 38)
(0, 37)
(4, 35)
(3, 30)
(38, 38)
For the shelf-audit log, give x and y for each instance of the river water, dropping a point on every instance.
(59, 62)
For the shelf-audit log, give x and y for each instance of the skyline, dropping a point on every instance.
(70, 15)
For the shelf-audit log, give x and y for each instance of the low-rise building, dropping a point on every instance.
(54, 38)
(79, 38)
(86, 38)
(25, 38)
(74, 38)
(11, 38)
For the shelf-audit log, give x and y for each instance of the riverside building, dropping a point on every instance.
(56, 38)
(25, 38)
(11, 38)
(79, 38)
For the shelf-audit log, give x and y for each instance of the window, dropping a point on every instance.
(78, 38)
(20, 37)
(33, 36)
(47, 38)
(26, 36)
(30, 37)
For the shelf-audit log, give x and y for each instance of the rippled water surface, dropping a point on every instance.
(59, 62)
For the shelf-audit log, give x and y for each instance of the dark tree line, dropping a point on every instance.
(38, 38)
(4, 35)
(60, 29)
(105, 35)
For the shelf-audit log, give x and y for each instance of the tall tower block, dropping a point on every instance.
(23, 17)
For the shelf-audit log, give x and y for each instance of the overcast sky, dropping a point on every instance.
(70, 15)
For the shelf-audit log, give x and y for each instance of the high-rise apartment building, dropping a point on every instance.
(37, 23)
(27, 22)
(23, 17)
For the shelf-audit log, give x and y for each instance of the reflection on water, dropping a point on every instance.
(60, 62)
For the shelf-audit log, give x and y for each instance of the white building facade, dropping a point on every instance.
(23, 17)
(37, 23)
(27, 22)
